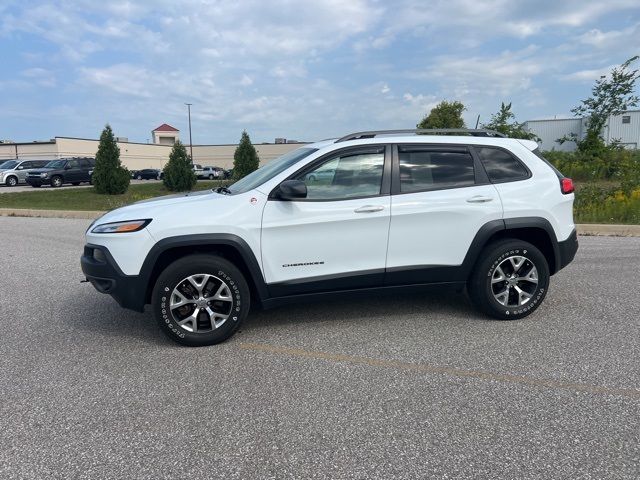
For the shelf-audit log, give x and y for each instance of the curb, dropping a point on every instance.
(24, 212)
(594, 229)
(603, 229)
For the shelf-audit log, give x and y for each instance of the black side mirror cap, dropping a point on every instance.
(292, 190)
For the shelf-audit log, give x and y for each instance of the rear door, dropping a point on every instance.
(73, 171)
(337, 236)
(441, 197)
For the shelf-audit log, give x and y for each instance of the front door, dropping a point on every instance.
(335, 238)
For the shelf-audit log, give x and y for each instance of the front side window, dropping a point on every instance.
(57, 164)
(74, 164)
(433, 169)
(270, 170)
(501, 166)
(349, 175)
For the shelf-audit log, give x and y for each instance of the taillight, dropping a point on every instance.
(566, 185)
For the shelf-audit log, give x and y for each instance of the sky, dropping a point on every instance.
(299, 70)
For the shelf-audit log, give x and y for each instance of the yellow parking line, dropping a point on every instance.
(455, 372)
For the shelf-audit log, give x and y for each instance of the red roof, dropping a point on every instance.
(166, 128)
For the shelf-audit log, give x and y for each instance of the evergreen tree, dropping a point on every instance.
(109, 176)
(245, 158)
(444, 115)
(178, 174)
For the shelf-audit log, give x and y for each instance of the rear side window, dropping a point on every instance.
(501, 166)
(434, 169)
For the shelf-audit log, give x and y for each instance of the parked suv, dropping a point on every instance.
(66, 170)
(211, 173)
(13, 172)
(402, 209)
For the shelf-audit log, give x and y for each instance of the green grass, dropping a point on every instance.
(87, 199)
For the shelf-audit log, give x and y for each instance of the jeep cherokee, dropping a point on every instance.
(371, 210)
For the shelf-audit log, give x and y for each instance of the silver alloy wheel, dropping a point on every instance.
(12, 181)
(514, 281)
(201, 303)
(56, 181)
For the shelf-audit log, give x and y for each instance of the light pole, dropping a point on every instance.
(190, 142)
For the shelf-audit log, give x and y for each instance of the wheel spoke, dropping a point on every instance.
(217, 319)
(517, 262)
(500, 275)
(523, 297)
(503, 296)
(193, 318)
(182, 299)
(222, 294)
(199, 285)
(531, 276)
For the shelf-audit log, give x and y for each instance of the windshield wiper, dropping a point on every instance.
(224, 190)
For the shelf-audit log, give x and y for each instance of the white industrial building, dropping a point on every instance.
(624, 128)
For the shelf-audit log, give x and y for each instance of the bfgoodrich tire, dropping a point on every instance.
(510, 280)
(200, 300)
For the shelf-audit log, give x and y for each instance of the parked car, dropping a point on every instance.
(14, 172)
(66, 170)
(472, 210)
(197, 169)
(228, 173)
(211, 173)
(147, 174)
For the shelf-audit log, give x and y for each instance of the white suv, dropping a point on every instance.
(372, 210)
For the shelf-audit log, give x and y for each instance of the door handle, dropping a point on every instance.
(369, 209)
(479, 199)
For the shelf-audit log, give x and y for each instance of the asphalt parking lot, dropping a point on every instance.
(405, 386)
(28, 188)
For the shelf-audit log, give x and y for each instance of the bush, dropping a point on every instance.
(178, 174)
(109, 176)
(613, 164)
(595, 204)
(245, 158)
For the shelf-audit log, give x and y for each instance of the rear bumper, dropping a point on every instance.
(567, 250)
(103, 273)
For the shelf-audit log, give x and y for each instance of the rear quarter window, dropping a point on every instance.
(502, 166)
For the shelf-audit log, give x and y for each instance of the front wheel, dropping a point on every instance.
(510, 281)
(200, 300)
(56, 181)
(11, 181)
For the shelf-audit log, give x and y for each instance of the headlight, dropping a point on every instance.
(44, 175)
(121, 227)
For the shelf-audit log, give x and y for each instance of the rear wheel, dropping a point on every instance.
(11, 181)
(200, 300)
(56, 181)
(510, 281)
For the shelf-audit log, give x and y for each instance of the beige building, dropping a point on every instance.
(136, 156)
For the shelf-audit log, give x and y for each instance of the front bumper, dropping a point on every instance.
(103, 273)
(567, 250)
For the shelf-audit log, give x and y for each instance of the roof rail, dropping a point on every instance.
(464, 131)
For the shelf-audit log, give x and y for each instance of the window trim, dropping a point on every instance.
(480, 176)
(385, 186)
(509, 152)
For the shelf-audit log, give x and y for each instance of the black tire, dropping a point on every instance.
(211, 177)
(173, 277)
(75, 184)
(484, 291)
(56, 181)
(11, 181)
(139, 177)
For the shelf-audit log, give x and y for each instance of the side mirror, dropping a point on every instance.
(292, 189)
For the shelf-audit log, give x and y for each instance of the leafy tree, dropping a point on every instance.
(178, 174)
(612, 94)
(109, 176)
(245, 158)
(444, 115)
(505, 122)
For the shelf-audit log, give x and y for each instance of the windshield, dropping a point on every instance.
(9, 164)
(270, 170)
(55, 164)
